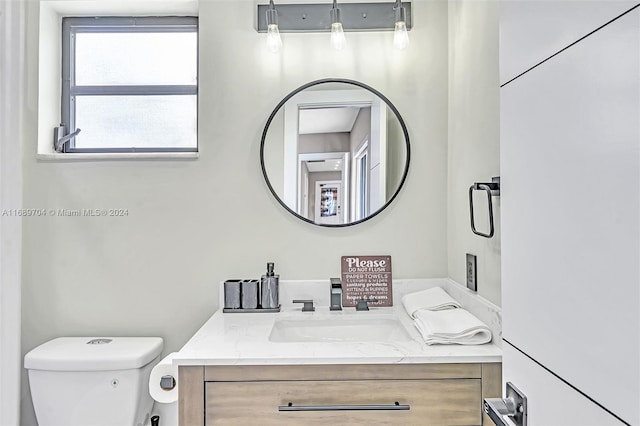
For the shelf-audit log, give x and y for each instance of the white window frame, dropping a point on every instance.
(73, 25)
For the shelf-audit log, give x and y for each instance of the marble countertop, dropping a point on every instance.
(243, 338)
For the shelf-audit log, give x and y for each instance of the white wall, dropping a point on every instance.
(190, 226)
(12, 44)
(396, 153)
(312, 143)
(474, 138)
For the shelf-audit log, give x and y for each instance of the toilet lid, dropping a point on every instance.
(94, 353)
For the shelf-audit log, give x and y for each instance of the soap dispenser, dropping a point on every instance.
(269, 288)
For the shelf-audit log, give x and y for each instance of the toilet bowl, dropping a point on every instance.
(88, 381)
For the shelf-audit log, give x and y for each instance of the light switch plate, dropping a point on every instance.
(472, 273)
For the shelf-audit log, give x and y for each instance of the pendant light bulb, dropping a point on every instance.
(400, 34)
(338, 41)
(337, 36)
(274, 42)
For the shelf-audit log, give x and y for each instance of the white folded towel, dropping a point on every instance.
(451, 326)
(433, 299)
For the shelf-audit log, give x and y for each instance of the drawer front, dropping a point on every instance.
(435, 402)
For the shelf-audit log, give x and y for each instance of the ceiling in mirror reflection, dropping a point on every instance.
(328, 165)
(335, 153)
(327, 119)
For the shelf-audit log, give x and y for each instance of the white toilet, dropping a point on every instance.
(87, 381)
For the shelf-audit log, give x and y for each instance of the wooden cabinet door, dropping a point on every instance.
(431, 402)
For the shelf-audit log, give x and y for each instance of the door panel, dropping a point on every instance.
(550, 401)
(533, 30)
(570, 165)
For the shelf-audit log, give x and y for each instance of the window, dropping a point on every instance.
(130, 84)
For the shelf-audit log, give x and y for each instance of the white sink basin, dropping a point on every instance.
(363, 328)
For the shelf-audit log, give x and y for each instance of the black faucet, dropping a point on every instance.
(363, 304)
(308, 305)
(336, 294)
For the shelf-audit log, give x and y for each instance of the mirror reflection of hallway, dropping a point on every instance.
(346, 132)
(335, 132)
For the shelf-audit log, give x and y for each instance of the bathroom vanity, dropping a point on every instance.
(345, 394)
(327, 367)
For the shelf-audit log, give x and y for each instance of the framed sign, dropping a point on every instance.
(366, 277)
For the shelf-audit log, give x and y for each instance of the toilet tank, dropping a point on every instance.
(92, 381)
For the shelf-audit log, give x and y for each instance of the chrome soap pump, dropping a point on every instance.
(269, 288)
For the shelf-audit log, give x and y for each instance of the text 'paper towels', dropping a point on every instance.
(164, 368)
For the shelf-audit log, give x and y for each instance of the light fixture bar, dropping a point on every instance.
(294, 18)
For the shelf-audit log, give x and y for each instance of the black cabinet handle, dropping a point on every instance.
(388, 407)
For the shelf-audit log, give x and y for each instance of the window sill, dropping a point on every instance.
(118, 156)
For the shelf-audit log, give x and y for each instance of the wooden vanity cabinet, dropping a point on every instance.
(437, 394)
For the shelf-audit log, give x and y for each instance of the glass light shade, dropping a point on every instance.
(400, 35)
(274, 43)
(337, 36)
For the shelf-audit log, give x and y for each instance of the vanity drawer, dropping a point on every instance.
(436, 402)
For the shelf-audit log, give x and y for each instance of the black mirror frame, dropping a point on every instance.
(354, 83)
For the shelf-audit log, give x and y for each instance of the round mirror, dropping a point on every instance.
(335, 152)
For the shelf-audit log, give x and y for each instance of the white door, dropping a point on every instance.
(328, 208)
(570, 219)
(361, 183)
(378, 164)
(304, 189)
